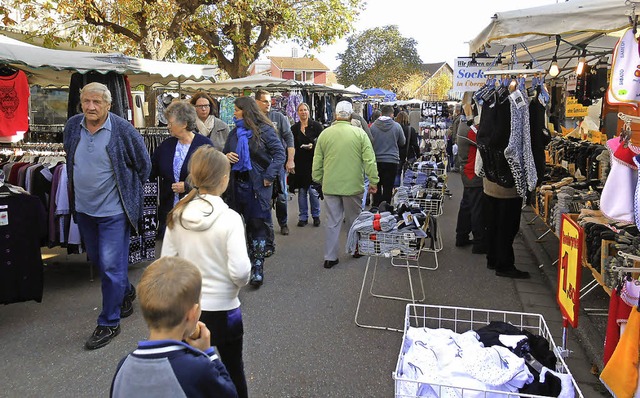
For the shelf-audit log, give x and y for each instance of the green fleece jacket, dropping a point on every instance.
(342, 157)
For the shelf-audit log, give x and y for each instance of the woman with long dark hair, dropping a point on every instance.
(256, 155)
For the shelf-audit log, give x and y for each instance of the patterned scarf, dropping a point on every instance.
(205, 127)
(242, 149)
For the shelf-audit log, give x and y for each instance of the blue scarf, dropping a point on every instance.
(244, 135)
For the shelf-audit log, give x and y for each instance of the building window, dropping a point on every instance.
(303, 76)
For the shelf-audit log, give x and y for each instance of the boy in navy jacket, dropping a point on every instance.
(177, 360)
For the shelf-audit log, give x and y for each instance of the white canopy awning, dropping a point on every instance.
(48, 67)
(255, 82)
(594, 24)
(564, 18)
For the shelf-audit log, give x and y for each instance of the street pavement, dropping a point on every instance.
(300, 337)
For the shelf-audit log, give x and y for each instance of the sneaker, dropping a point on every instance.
(102, 336)
(513, 273)
(302, 223)
(316, 221)
(284, 230)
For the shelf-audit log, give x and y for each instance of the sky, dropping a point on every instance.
(440, 27)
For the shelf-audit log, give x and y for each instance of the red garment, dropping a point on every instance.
(14, 104)
(618, 312)
(13, 175)
(469, 167)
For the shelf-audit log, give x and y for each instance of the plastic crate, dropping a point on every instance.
(460, 320)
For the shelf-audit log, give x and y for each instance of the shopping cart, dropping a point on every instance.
(403, 249)
(460, 320)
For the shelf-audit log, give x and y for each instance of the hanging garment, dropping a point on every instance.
(227, 109)
(142, 244)
(493, 137)
(518, 151)
(14, 106)
(23, 226)
(623, 88)
(618, 314)
(114, 81)
(620, 375)
(617, 199)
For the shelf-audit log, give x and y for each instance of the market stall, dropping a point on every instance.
(591, 171)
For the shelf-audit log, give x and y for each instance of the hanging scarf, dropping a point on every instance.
(242, 149)
(205, 127)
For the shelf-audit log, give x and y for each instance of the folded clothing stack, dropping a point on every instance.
(390, 231)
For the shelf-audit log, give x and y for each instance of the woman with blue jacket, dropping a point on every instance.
(256, 155)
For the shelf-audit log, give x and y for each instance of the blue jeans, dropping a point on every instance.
(314, 199)
(107, 242)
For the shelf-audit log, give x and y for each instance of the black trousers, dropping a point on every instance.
(227, 335)
(502, 217)
(470, 216)
(387, 174)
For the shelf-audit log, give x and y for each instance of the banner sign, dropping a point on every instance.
(570, 269)
(470, 77)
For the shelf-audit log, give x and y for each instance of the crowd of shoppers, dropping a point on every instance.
(216, 189)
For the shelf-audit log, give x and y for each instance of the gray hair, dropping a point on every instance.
(182, 112)
(99, 88)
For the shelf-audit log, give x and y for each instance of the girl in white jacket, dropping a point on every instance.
(204, 230)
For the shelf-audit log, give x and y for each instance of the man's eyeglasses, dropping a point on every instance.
(265, 101)
(202, 106)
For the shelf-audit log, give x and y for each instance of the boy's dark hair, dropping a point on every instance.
(169, 287)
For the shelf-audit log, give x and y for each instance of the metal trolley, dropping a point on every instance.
(403, 249)
(460, 320)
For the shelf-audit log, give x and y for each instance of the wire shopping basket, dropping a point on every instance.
(460, 320)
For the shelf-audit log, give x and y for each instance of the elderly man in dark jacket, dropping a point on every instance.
(107, 165)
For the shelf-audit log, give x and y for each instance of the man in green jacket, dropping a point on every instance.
(343, 155)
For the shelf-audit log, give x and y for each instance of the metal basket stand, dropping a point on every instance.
(405, 253)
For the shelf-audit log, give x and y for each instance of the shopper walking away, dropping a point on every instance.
(107, 165)
(343, 156)
(388, 137)
(410, 151)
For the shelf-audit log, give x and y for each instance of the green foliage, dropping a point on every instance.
(231, 33)
(378, 57)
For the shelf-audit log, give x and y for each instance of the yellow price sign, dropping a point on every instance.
(570, 269)
(574, 109)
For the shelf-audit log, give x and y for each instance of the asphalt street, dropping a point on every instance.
(300, 335)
